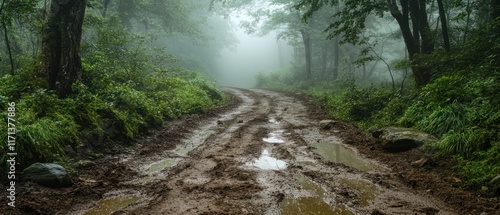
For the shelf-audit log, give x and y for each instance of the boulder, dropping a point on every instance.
(402, 139)
(47, 174)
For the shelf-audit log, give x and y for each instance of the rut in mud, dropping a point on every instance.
(265, 154)
(264, 157)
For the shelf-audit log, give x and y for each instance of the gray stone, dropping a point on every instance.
(326, 124)
(47, 174)
(401, 139)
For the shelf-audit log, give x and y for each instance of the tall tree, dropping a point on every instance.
(410, 15)
(444, 25)
(61, 45)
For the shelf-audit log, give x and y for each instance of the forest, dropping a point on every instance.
(83, 79)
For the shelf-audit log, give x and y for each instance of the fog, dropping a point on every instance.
(238, 67)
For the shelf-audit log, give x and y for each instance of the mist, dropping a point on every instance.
(238, 67)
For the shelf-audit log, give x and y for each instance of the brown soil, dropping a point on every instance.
(220, 163)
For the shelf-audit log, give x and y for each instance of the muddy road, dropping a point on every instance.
(263, 155)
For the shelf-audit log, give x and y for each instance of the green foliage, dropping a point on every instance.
(359, 104)
(481, 168)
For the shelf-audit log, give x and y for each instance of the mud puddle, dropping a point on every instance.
(307, 184)
(111, 205)
(335, 152)
(266, 162)
(310, 205)
(161, 165)
(275, 137)
(367, 191)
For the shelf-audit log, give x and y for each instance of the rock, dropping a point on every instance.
(47, 174)
(402, 139)
(326, 124)
(240, 121)
(420, 163)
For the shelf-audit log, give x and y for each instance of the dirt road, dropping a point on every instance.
(266, 155)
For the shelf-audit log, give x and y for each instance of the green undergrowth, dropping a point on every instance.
(460, 106)
(49, 128)
(100, 114)
(129, 86)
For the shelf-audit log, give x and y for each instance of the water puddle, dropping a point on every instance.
(367, 191)
(307, 184)
(274, 137)
(266, 162)
(111, 205)
(337, 153)
(310, 206)
(158, 166)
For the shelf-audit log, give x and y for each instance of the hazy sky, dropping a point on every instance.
(252, 55)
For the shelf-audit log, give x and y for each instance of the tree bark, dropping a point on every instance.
(9, 50)
(307, 46)
(61, 45)
(336, 60)
(444, 25)
(418, 41)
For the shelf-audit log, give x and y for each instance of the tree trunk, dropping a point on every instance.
(323, 59)
(418, 41)
(9, 50)
(61, 45)
(336, 61)
(307, 46)
(468, 21)
(444, 25)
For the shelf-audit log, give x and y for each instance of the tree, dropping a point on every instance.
(410, 15)
(62, 33)
(444, 25)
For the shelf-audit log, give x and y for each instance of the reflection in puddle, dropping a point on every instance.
(367, 191)
(307, 184)
(111, 205)
(274, 137)
(312, 206)
(267, 162)
(337, 153)
(158, 166)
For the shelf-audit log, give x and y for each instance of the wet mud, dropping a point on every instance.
(265, 154)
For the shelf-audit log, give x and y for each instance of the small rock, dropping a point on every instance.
(420, 163)
(47, 174)
(219, 122)
(326, 124)
(240, 121)
(455, 180)
(286, 108)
